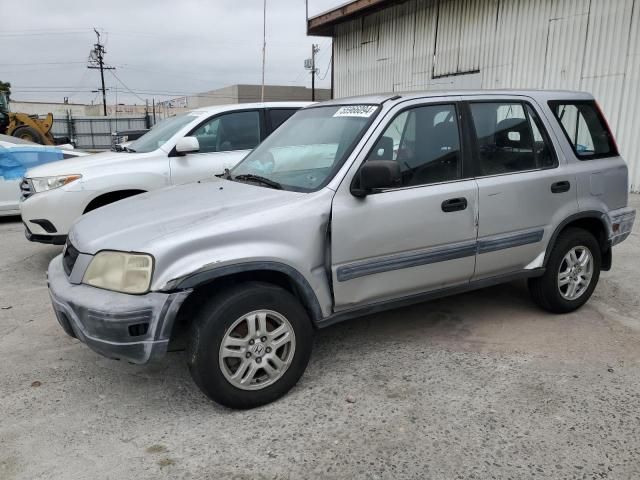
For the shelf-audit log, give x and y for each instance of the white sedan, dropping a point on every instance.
(182, 149)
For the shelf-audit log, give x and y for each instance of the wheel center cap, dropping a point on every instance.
(258, 349)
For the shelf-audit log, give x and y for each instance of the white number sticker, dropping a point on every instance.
(355, 111)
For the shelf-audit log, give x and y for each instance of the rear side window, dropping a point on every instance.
(278, 116)
(585, 128)
(510, 138)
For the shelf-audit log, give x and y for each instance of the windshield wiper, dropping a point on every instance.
(259, 179)
(127, 149)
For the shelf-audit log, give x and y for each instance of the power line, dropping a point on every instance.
(40, 34)
(327, 70)
(126, 87)
(38, 63)
(79, 86)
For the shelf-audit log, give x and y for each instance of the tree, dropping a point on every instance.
(6, 88)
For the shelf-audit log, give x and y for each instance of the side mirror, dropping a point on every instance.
(186, 145)
(377, 174)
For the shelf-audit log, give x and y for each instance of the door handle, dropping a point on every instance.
(454, 204)
(560, 187)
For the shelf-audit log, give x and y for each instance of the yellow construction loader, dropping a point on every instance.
(27, 127)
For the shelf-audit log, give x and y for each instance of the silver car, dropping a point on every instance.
(353, 206)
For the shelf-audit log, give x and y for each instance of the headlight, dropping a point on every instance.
(42, 184)
(120, 271)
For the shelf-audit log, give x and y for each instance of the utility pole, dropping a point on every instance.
(96, 62)
(314, 49)
(264, 45)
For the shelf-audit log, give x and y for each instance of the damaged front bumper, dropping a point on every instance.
(135, 328)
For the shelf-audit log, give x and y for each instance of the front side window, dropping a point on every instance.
(585, 128)
(510, 138)
(160, 134)
(229, 131)
(307, 150)
(425, 142)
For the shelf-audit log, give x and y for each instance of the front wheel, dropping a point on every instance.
(249, 345)
(25, 132)
(572, 273)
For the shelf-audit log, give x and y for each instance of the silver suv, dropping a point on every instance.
(353, 206)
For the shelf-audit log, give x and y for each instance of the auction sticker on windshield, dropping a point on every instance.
(355, 111)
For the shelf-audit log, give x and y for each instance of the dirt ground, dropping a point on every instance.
(481, 385)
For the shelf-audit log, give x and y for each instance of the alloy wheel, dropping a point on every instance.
(575, 273)
(257, 350)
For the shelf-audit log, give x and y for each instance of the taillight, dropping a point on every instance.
(606, 124)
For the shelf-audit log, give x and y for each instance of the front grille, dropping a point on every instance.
(26, 189)
(69, 258)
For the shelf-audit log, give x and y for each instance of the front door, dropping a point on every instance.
(419, 236)
(224, 140)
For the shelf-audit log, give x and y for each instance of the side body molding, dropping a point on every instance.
(206, 275)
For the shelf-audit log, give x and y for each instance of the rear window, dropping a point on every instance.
(585, 128)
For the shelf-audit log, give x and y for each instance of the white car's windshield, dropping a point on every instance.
(307, 150)
(158, 136)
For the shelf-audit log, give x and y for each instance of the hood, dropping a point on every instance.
(145, 222)
(81, 164)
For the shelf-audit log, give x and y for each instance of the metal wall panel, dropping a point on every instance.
(425, 30)
(94, 132)
(448, 40)
(566, 43)
(591, 45)
(628, 132)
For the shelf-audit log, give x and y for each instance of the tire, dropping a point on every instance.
(214, 372)
(26, 132)
(546, 290)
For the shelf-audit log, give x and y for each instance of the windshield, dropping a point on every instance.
(160, 133)
(308, 149)
(4, 105)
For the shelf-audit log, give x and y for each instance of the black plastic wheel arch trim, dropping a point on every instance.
(204, 276)
(596, 215)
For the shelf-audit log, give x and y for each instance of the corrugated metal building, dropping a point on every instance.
(400, 45)
(251, 94)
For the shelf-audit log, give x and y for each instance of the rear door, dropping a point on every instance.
(524, 187)
(224, 140)
(419, 236)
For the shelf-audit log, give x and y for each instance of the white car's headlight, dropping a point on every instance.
(120, 271)
(42, 184)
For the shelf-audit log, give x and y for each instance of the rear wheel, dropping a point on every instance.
(26, 132)
(249, 345)
(572, 273)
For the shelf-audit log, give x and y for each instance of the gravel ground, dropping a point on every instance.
(482, 385)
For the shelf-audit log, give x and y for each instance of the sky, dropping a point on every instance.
(160, 48)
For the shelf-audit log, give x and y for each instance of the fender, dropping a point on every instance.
(592, 214)
(203, 276)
